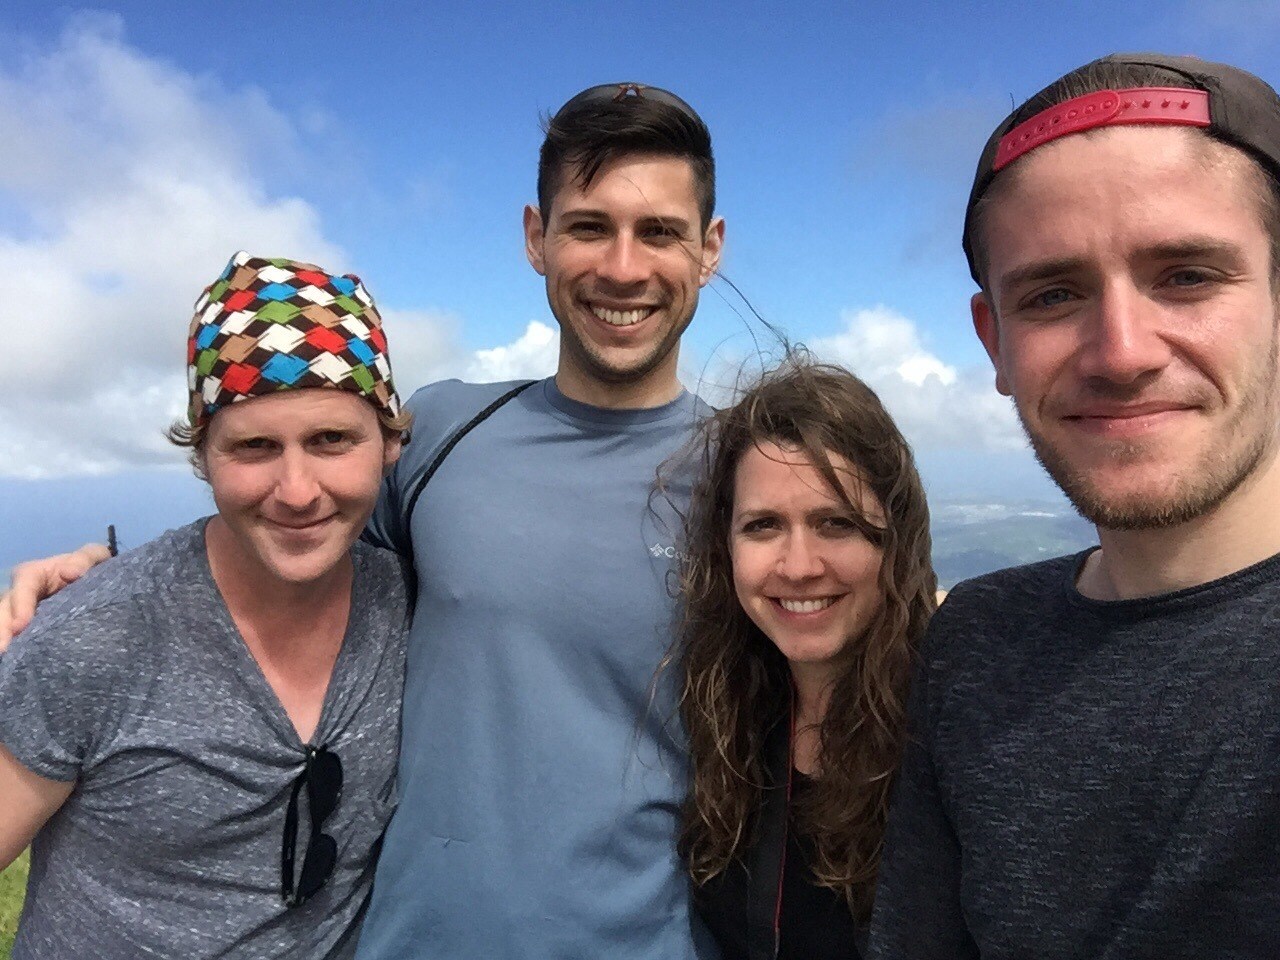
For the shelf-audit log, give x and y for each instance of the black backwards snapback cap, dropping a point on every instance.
(1230, 104)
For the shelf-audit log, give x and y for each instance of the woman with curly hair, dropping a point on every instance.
(807, 588)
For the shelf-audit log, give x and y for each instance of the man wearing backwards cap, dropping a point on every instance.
(541, 773)
(1095, 769)
(201, 735)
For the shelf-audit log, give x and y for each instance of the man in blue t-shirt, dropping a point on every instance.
(541, 771)
(540, 778)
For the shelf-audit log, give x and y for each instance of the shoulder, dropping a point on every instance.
(82, 648)
(383, 573)
(988, 607)
(127, 585)
(441, 409)
(995, 594)
(454, 401)
(701, 408)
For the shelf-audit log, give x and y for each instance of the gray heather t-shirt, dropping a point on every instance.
(135, 683)
(1090, 780)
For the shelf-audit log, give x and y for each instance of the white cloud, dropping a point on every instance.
(126, 183)
(935, 404)
(532, 355)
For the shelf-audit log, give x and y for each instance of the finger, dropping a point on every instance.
(7, 629)
(73, 566)
(29, 584)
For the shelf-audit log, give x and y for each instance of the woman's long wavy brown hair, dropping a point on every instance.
(736, 685)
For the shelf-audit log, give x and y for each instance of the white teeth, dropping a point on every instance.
(806, 606)
(621, 318)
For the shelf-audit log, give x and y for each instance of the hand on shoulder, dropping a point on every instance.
(38, 580)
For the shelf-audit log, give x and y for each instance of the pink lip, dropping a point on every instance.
(1126, 420)
(299, 528)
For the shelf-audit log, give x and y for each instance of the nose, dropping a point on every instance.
(801, 558)
(1125, 342)
(296, 485)
(624, 261)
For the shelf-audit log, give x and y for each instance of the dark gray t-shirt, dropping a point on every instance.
(1090, 780)
(135, 683)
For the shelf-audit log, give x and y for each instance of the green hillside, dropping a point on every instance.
(13, 883)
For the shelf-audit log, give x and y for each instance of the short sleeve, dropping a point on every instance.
(64, 685)
(388, 527)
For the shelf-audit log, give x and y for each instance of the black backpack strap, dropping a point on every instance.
(452, 442)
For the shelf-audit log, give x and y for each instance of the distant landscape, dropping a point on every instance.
(971, 538)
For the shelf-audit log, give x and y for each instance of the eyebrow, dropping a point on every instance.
(1041, 270)
(1195, 248)
(835, 510)
(671, 221)
(1188, 248)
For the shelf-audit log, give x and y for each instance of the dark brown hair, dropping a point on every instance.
(736, 685)
(583, 139)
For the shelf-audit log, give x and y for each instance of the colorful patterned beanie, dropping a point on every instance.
(268, 325)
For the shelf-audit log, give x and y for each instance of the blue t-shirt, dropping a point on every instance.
(541, 769)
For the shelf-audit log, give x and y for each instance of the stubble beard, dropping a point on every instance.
(596, 366)
(1201, 488)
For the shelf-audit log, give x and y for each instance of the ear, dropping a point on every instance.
(987, 326)
(391, 447)
(712, 245)
(533, 237)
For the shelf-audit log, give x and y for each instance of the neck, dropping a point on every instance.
(278, 611)
(658, 387)
(1241, 531)
(813, 694)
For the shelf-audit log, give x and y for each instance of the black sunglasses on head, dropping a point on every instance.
(618, 92)
(322, 776)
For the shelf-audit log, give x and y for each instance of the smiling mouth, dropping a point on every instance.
(805, 606)
(300, 527)
(1123, 421)
(622, 318)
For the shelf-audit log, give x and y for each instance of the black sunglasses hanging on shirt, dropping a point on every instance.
(322, 776)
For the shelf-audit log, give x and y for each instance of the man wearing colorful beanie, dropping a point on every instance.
(1095, 765)
(201, 735)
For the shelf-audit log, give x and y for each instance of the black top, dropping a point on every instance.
(1090, 779)
(816, 922)
(740, 905)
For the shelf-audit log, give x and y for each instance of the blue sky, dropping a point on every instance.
(145, 142)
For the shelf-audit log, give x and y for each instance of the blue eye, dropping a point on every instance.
(1052, 298)
(1188, 277)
